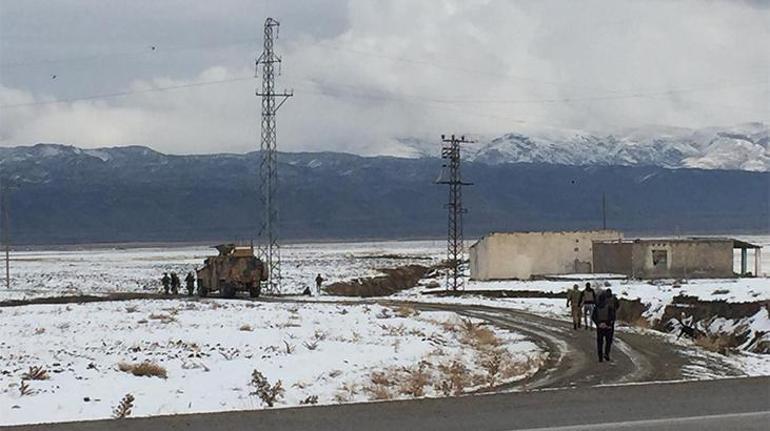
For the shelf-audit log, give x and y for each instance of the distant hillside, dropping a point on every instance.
(70, 195)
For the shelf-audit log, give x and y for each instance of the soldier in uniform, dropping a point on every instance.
(190, 282)
(175, 283)
(318, 281)
(165, 281)
(574, 299)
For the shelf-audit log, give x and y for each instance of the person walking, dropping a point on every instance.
(318, 281)
(589, 300)
(573, 301)
(190, 283)
(604, 318)
(175, 283)
(165, 281)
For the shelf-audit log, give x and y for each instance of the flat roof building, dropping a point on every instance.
(674, 258)
(527, 255)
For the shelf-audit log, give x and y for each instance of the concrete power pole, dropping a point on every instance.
(450, 151)
(269, 249)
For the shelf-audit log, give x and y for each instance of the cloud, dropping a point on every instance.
(379, 70)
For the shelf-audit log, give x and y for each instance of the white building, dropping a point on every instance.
(524, 255)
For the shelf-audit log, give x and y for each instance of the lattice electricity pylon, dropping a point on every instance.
(450, 151)
(269, 247)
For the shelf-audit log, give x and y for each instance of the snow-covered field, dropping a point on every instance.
(89, 271)
(210, 348)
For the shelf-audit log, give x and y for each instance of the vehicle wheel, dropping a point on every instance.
(255, 290)
(228, 290)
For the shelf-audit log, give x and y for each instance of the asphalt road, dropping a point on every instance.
(730, 404)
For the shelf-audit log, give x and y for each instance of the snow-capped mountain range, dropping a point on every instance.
(743, 147)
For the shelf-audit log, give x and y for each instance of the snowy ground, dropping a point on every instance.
(94, 271)
(210, 348)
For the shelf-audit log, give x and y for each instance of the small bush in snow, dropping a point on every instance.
(415, 380)
(269, 394)
(310, 345)
(289, 348)
(246, 327)
(454, 378)
(124, 407)
(143, 369)
(35, 373)
(310, 400)
(24, 389)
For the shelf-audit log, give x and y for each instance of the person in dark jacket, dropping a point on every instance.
(166, 281)
(318, 281)
(604, 318)
(175, 283)
(190, 283)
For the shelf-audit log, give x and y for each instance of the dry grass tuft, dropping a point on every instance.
(406, 311)
(416, 380)
(25, 389)
(163, 318)
(454, 378)
(310, 345)
(719, 343)
(35, 373)
(143, 369)
(289, 348)
(39, 331)
(269, 394)
(310, 400)
(124, 407)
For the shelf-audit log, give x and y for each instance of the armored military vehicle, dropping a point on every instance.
(236, 269)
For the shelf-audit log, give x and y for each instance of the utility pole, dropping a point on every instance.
(6, 237)
(604, 211)
(450, 151)
(270, 250)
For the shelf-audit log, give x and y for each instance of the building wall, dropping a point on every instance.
(522, 255)
(612, 258)
(684, 259)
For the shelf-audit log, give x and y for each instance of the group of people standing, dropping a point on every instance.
(597, 307)
(171, 283)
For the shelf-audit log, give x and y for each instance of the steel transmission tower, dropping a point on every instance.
(450, 151)
(269, 247)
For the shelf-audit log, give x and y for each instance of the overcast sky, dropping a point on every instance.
(366, 72)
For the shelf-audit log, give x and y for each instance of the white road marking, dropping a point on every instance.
(652, 422)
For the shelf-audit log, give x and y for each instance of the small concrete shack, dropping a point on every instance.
(524, 255)
(674, 258)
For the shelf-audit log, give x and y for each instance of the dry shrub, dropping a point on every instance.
(335, 373)
(380, 378)
(384, 314)
(346, 392)
(641, 322)
(124, 407)
(246, 327)
(492, 362)
(163, 318)
(310, 345)
(719, 343)
(25, 389)
(35, 373)
(454, 378)
(320, 335)
(289, 348)
(478, 336)
(143, 369)
(379, 393)
(406, 311)
(415, 381)
(268, 393)
(310, 400)
(519, 368)
(39, 331)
